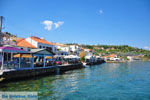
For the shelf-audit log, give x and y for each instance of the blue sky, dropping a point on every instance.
(112, 22)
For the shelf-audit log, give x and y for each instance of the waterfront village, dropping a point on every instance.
(32, 56)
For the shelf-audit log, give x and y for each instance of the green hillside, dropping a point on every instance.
(122, 50)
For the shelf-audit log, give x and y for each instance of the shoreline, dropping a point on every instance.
(11, 75)
(115, 61)
(124, 61)
(17, 75)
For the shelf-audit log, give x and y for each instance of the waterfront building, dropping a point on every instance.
(35, 42)
(74, 49)
(89, 52)
(113, 57)
(72, 59)
(61, 49)
(24, 45)
(14, 58)
(6, 57)
(90, 58)
(132, 58)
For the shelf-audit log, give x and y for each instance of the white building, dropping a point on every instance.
(113, 57)
(35, 42)
(62, 49)
(88, 52)
(75, 49)
(90, 58)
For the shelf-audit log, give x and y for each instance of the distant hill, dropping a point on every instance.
(117, 49)
(122, 50)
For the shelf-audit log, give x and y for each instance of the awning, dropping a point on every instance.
(72, 56)
(11, 49)
(88, 57)
(48, 57)
(58, 56)
(22, 56)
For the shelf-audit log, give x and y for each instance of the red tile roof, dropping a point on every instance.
(37, 39)
(19, 39)
(112, 55)
(24, 43)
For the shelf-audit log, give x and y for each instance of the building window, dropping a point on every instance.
(21, 48)
(43, 46)
(40, 46)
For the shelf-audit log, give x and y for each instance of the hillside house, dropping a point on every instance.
(7, 39)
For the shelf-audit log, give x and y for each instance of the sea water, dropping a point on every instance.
(108, 81)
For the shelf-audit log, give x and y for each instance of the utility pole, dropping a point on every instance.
(31, 40)
(1, 19)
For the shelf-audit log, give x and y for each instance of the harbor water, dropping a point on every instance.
(108, 81)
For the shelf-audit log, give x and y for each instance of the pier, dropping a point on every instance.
(95, 63)
(7, 75)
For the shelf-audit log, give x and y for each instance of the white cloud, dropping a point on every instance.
(100, 12)
(147, 47)
(58, 24)
(50, 24)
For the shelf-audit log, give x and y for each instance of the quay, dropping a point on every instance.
(7, 75)
(95, 63)
(115, 61)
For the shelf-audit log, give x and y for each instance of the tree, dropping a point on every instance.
(82, 54)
